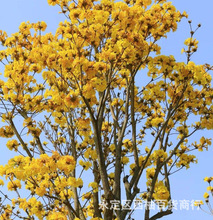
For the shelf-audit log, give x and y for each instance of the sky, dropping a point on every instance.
(186, 184)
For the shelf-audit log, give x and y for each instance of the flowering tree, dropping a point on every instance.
(97, 99)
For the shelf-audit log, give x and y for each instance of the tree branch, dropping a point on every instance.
(160, 214)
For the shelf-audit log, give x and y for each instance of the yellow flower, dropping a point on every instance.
(99, 84)
(1, 182)
(124, 160)
(85, 164)
(206, 195)
(147, 149)
(14, 185)
(112, 147)
(117, 102)
(150, 172)
(161, 192)
(66, 164)
(12, 145)
(90, 153)
(156, 122)
(94, 185)
(87, 196)
(71, 181)
(159, 154)
(84, 127)
(6, 131)
(40, 191)
(40, 26)
(210, 188)
(72, 100)
(53, 2)
(111, 175)
(198, 203)
(208, 179)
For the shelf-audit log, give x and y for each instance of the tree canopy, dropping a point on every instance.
(95, 109)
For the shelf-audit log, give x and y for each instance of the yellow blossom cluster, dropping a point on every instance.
(161, 191)
(160, 155)
(192, 45)
(85, 164)
(46, 175)
(185, 160)
(12, 145)
(204, 143)
(6, 131)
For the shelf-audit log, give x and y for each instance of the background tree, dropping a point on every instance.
(98, 99)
